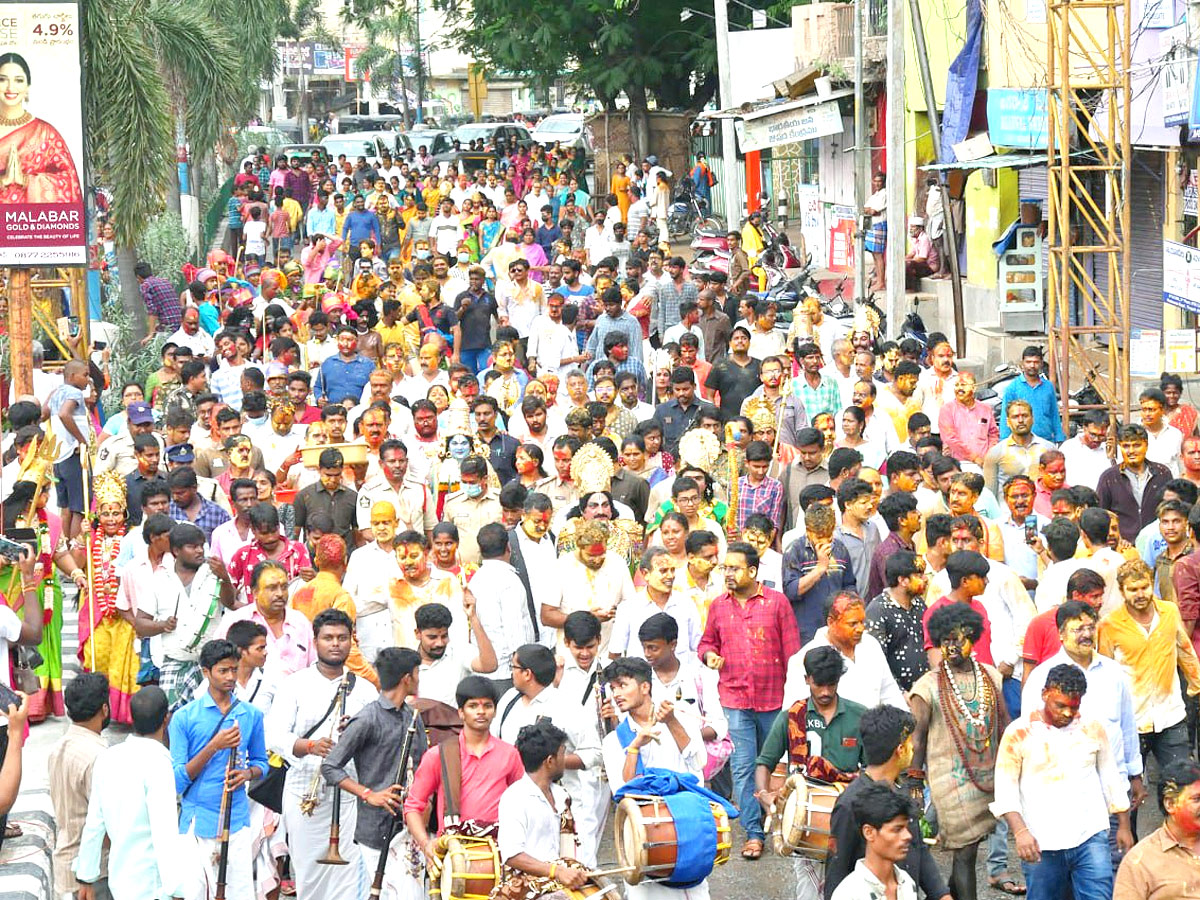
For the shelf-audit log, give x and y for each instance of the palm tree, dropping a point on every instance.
(165, 66)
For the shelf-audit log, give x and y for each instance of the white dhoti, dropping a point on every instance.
(653, 890)
(263, 828)
(590, 800)
(239, 873)
(374, 632)
(810, 878)
(403, 879)
(308, 838)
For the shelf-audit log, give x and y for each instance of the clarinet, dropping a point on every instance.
(226, 820)
(401, 772)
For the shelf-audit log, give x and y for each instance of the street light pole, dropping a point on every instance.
(733, 203)
(860, 155)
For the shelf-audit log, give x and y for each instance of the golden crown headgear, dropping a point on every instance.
(591, 531)
(699, 448)
(761, 415)
(109, 488)
(37, 465)
(592, 470)
(866, 320)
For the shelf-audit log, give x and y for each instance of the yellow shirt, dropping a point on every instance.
(325, 592)
(294, 212)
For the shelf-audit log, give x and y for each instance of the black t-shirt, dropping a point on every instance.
(441, 316)
(476, 319)
(735, 383)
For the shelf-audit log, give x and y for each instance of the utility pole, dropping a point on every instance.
(420, 66)
(733, 203)
(935, 131)
(860, 159)
(896, 162)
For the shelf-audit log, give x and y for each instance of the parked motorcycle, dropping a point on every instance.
(689, 212)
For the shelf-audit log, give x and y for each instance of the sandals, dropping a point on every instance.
(12, 831)
(752, 849)
(1006, 885)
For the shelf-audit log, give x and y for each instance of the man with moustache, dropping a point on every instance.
(533, 554)
(370, 574)
(301, 728)
(399, 486)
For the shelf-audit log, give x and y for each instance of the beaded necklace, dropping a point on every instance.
(971, 733)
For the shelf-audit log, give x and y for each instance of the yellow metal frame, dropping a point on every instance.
(1088, 70)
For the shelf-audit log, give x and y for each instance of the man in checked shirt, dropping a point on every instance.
(749, 637)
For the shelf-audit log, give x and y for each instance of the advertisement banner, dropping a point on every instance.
(841, 239)
(42, 219)
(1176, 91)
(1181, 276)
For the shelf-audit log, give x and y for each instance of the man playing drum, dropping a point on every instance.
(649, 737)
(534, 813)
(821, 738)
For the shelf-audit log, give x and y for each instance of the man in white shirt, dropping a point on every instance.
(533, 696)
(1086, 453)
(443, 663)
(657, 569)
(530, 810)
(649, 735)
(1051, 761)
(502, 604)
(592, 578)
(867, 679)
(1166, 441)
(445, 231)
(133, 806)
(682, 680)
(883, 816)
(192, 336)
(300, 727)
(552, 345)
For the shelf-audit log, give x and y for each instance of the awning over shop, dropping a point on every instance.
(995, 161)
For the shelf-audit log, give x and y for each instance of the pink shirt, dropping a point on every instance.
(484, 779)
(226, 541)
(138, 584)
(291, 651)
(314, 260)
(967, 433)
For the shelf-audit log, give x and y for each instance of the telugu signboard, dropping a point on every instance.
(41, 143)
(1018, 118)
(802, 124)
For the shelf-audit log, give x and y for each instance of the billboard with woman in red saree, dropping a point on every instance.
(41, 135)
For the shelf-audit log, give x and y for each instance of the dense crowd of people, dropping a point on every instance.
(429, 543)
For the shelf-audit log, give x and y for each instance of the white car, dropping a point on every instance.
(566, 128)
(370, 144)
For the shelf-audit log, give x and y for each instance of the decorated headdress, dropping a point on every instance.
(591, 469)
(37, 465)
(458, 418)
(591, 531)
(866, 319)
(699, 448)
(109, 489)
(758, 410)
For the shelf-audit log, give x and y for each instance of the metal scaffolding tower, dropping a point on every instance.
(1088, 105)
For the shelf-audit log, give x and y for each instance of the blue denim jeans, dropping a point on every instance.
(997, 852)
(1086, 868)
(748, 730)
(476, 359)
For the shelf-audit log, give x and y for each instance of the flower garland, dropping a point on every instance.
(105, 580)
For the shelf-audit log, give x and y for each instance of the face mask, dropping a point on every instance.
(472, 490)
(464, 258)
(423, 254)
(261, 420)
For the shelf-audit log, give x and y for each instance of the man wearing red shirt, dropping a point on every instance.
(968, 572)
(487, 766)
(1041, 637)
(299, 385)
(750, 635)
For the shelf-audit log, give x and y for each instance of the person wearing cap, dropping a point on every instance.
(117, 453)
(923, 258)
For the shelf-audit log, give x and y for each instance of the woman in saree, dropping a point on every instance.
(52, 550)
(534, 254)
(106, 635)
(36, 165)
(619, 185)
